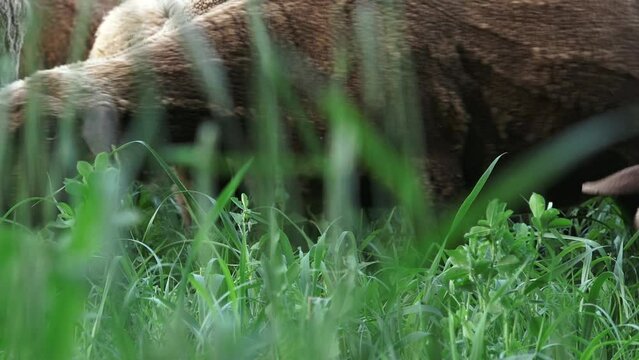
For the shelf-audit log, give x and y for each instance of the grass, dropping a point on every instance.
(117, 276)
(102, 266)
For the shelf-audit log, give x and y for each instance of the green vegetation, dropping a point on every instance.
(102, 266)
(114, 277)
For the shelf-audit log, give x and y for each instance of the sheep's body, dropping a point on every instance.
(503, 74)
(57, 22)
(126, 25)
(137, 20)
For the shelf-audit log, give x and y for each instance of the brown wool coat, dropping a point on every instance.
(499, 74)
(57, 21)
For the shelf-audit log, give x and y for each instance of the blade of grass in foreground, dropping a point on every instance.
(395, 172)
(462, 212)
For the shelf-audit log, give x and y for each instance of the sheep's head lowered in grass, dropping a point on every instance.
(623, 182)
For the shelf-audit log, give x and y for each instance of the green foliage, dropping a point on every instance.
(241, 289)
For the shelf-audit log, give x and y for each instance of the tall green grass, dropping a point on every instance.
(98, 265)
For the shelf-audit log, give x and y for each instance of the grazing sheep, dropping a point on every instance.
(137, 20)
(124, 25)
(499, 75)
(57, 21)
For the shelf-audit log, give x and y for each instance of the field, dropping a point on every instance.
(98, 261)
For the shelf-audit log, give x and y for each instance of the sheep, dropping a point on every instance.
(504, 75)
(55, 24)
(113, 27)
(137, 20)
